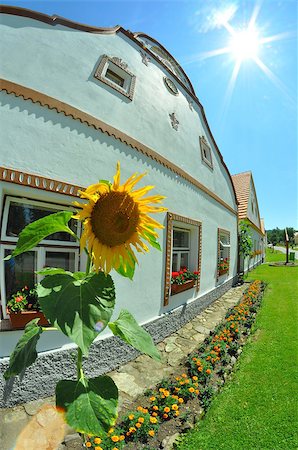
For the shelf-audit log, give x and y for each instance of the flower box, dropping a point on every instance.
(176, 288)
(222, 271)
(18, 320)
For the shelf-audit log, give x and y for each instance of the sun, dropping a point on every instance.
(245, 44)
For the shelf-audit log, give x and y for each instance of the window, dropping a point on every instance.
(223, 257)
(183, 248)
(56, 250)
(114, 72)
(206, 152)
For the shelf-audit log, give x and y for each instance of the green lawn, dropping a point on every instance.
(258, 409)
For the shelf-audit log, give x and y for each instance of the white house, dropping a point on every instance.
(248, 212)
(76, 99)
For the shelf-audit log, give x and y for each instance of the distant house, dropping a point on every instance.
(296, 238)
(248, 211)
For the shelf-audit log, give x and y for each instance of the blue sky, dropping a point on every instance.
(253, 116)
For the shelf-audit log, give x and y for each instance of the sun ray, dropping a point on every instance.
(275, 80)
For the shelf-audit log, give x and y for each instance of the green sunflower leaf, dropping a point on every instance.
(90, 405)
(36, 231)
(80, 306)
(24, 353)
(52, 271)
(127, 328)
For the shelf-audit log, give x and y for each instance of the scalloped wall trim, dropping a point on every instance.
(68, 110)
(38, 182)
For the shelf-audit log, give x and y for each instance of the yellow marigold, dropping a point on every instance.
(166, 393)
(191, 390)
(152, 399)
(138, 425)
(132, 429)
(197, 391)
(175, 407)
(111, 430)
(155, 407)
(184, 375)
(115, 448)
(97, 440)
(177, 413)
(145, 410)
(166, 409)
(180, 400)
(121, 437)
(140, 408)
(131, 416)
(161, 389)
(116, 218)
(141, 419)
(88, 444)
(154, 414)
(115, 438)
(153, 420)
(195, 378)
(151, 433)
(98, 448)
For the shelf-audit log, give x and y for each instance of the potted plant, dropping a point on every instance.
(183, 280)
(23, 307)
(223, 266)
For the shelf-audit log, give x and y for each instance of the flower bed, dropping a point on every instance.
(206, 371)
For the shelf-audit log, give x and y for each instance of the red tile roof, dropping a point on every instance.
(241, 183)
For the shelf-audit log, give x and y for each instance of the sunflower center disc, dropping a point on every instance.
(114, 218)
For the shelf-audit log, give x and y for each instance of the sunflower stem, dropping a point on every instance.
(80, 373)
(88, 267)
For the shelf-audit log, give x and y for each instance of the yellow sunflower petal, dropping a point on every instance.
(116, 183)
(116, 219)
(141, 192)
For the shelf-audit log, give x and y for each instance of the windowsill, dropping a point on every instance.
(178, 288)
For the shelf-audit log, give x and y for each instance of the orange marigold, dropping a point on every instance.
(151, 433)
(115, 438)
(97, 440)
(166, 409)
(138, 425)
(141, 419)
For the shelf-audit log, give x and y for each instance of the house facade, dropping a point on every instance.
(248, 212)
(75, 100)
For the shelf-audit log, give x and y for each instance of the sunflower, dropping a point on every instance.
(115, 219)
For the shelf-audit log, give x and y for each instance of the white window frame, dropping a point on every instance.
(179, 250)
(120, 68)
(206, 152)
(22, 200)
(224, 249)
(46, 245)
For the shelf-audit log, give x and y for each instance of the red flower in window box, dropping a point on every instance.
(183, 280)
(24, 307)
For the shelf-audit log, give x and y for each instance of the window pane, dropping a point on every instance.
(63, 260)
(175, 263)
(21, 214)
(114, 77)
(180, 239)
(184, 260)
(19, 272)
